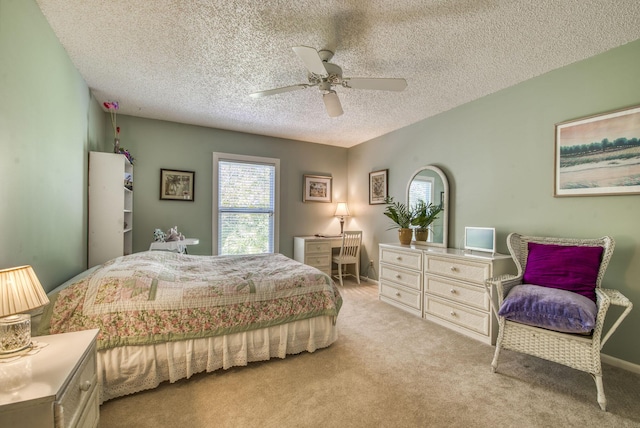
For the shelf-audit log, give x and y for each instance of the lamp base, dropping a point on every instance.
(15, 334)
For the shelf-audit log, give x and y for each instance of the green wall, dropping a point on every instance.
(48, 121)
(158, 144)
(498, 153)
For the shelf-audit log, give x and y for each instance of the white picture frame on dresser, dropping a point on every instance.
(443, 285)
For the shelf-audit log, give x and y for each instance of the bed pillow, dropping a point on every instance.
(571, 268)
(549, 308)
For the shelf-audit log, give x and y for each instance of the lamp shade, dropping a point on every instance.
(342, 210)
(20, 291)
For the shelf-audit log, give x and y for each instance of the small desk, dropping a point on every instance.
(178, 246)
(316, 251)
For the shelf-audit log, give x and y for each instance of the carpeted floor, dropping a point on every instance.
(387, 369)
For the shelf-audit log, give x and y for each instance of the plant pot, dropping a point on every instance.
(422, 234)
(405, 236)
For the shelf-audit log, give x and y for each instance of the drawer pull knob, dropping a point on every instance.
(398, 258)
(398, 276)
(454, 269)
(452, 291)
(397, 293)
(86, 385)
(452, 313)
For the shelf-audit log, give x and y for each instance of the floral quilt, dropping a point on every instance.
(158, 296)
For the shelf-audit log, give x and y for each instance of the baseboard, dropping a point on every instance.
(617, 362)
(366, 279)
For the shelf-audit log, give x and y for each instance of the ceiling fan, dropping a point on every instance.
(326, 75)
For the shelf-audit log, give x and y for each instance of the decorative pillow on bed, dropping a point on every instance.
(549, 308)
(569, 268)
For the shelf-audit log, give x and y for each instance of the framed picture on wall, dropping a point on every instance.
(177, 185)
(598, 155)
(378, 186)
(317, 188)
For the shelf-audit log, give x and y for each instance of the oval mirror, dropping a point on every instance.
(430, 185)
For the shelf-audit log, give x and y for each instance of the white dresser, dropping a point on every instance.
(443, 285)
(57, 387)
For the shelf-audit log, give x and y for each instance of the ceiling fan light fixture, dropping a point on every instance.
(325, 87)
(325, 76)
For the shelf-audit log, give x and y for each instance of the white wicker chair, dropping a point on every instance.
(574, 350)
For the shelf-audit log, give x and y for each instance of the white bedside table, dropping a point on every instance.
(57, 387)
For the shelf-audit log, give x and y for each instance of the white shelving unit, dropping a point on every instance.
(110, 207)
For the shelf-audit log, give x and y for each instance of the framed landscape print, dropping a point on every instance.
(598, 155)
(177, 185)
(317, 188)
(378, 186)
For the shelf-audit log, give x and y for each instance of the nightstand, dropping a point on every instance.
(57, 387)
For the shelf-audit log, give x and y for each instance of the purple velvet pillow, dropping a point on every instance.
(569, 268)
(549, 308)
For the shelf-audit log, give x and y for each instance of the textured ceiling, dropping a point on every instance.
(196, 61)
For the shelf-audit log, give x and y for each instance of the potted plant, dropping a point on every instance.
(401, 215)
(423, 215)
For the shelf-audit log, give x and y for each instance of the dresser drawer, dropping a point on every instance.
(407, 259)
(319, 261)
(311, 247)
(76, 397)
(457, 292)
(91, 414)
(400, 294)
(409, 278)
(464, 270)
(476, 321)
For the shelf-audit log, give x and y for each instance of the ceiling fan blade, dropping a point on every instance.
(332, 104)
(278, 90)
(311, 60)
(372, 83)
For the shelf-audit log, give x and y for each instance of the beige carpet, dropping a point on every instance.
(387, 369)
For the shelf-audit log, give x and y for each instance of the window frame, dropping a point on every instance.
(230, 157)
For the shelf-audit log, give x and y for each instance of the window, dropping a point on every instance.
(245, 204)
(422, 189)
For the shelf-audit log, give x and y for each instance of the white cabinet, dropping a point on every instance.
(110, 207)
(451, 291)
(56, 387)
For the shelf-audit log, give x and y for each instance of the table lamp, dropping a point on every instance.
(342, 211)
(20, 291)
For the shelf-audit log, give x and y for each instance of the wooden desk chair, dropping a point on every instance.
(554, 308)
(349, 254)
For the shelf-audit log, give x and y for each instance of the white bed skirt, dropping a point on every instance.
(129, 369)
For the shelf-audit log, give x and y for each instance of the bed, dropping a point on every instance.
(165, 316)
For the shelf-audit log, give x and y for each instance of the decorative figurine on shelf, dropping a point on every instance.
(159, 235)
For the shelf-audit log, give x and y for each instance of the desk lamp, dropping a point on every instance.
(342, 211)
(20, 291)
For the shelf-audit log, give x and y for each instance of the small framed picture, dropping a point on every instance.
(378, 186)
(317, 188)
(177, 185)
